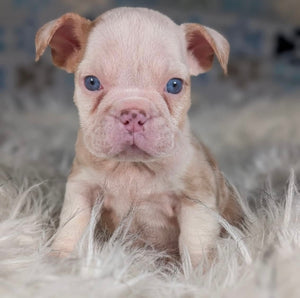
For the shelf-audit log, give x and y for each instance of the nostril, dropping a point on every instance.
(125, 118)
(142, 118)
(143, 113)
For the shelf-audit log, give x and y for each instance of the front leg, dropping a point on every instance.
(75, 216)
(199, 229)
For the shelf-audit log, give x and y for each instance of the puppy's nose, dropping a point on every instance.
(133, 119)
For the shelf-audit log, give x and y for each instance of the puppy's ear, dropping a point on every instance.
(202, 44)
(66, 37)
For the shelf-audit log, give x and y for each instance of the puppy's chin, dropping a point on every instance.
(134, 154)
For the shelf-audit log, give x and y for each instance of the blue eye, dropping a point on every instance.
(174, 86)
(92, 83)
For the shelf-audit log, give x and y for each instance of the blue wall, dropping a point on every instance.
(264, 45)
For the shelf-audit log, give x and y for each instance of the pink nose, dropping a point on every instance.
(133, 120)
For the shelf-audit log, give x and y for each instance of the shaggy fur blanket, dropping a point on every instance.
(261, 260)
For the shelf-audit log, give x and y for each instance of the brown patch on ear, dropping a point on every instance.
(202, 44)
(67, 37)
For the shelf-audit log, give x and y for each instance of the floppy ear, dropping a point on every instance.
(202, 44)
(66, 37)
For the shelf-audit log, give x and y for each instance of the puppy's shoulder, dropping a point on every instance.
(203, 153)
(226, 195)
(199, 177)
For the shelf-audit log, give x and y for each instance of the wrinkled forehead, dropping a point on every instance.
(135, 45)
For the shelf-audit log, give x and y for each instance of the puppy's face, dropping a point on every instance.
(132, 77)
(141, 87)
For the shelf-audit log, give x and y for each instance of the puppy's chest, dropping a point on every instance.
(154, 207)
(151, 204)
(123, 190)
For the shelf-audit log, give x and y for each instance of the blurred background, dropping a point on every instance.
(250, 118)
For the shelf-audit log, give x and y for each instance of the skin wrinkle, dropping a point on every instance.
(151, 180)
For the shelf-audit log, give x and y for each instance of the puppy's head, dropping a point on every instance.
(132, 76)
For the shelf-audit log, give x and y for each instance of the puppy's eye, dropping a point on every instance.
(174, 86)
(92, 83)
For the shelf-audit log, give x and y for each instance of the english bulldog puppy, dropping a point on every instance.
(134, 147)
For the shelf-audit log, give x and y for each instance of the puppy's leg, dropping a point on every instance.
(199, 230)
(74, 218)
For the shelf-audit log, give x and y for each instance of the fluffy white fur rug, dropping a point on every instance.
(263, 260)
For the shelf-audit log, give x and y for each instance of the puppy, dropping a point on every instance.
(134, 147)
